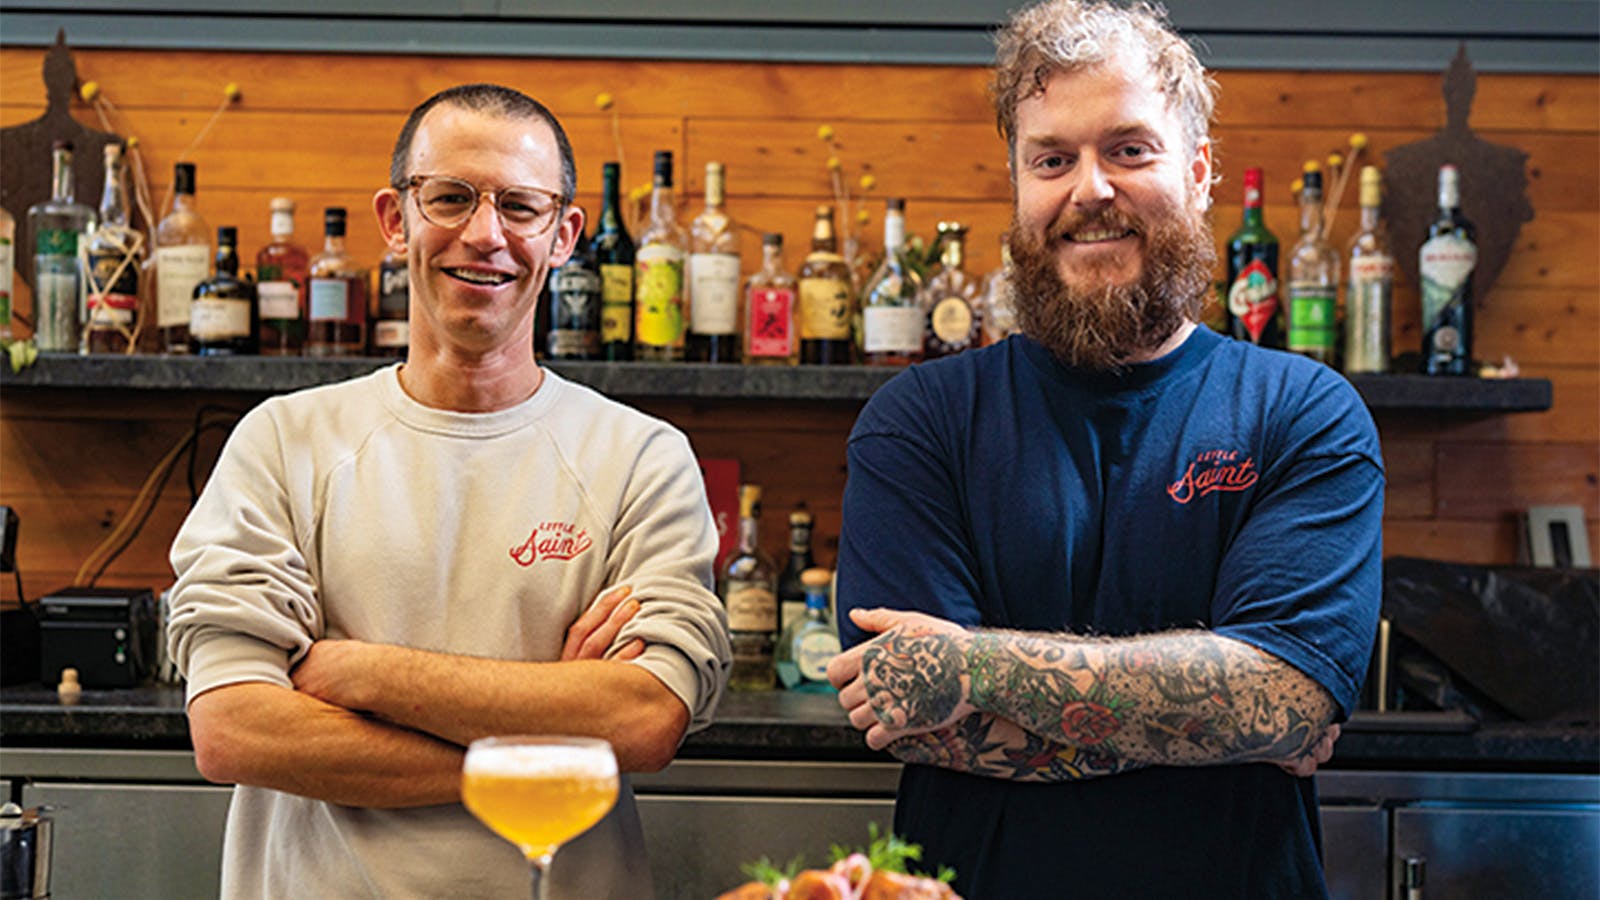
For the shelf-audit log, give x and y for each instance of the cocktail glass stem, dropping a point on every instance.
(538, 866)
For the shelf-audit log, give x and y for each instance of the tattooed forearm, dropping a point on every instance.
(983, 744)
(1181, 698)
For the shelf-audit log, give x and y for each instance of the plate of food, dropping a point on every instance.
(883, 870)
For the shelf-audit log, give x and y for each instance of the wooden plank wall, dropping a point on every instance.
(319, 128)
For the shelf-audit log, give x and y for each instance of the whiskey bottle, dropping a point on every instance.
(658, 274)
(338, 295)
(182, 260)
(115, 255)
(770, 336)
(1369, 291)
(1313, 280)
(997, 306)
(713, 278)
(791, 591)
(953, 324)
(1446, 263)
(810, 641)
(749, 588)
(891, 315)
(825, 298)
(575, 302)
(391, 307)
(1254, 313)
(613, 253)
(281, 286)
(58, 226)
(223, 317)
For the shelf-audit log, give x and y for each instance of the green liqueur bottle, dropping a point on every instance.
(1253, 312)
(613, 253)
(1446, 263)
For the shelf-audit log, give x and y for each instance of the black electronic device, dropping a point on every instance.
(107, 634)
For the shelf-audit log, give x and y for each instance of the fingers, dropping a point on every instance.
(591, 635)
(632, 650)
(844, 668)
(875, 619)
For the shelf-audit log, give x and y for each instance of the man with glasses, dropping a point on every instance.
(462, 545)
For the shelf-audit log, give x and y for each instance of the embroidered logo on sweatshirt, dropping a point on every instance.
(552, 540)
(1214, 470)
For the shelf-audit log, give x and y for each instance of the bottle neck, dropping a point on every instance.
(816, 602)
(749, 533)
(953, 256)
(282, 226)
(1252, 205)
(1370, 216)
(183, 203)
(822, 240)
(611, 200)
(714, 192)
(333, 243)
(61, 176)
(771, 259)
(1311, 213)
(114, 200)
(661, 203)
(800, 539)
(227, 260)
(894, 233)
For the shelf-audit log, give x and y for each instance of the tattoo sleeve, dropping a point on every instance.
(984, 744)
(1174, 699)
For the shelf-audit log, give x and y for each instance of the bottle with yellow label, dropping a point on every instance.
(658, 271)
(826, 304)
(613, 252)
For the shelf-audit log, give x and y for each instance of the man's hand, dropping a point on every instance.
(333, 671)
(591, 636)
(909, 680)
(1320, 752)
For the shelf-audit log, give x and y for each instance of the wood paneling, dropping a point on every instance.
(319, 128)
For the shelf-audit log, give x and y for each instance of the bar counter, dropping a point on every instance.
(779, 725)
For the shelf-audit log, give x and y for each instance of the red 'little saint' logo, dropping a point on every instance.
(1214, 470)
(552, 540)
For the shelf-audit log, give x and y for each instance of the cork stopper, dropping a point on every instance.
(816, 577)
(69, 691)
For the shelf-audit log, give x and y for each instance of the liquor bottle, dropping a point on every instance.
(1369, 292)
(952, 322)
(58, 225)
(1446, 262)
(891, 311)
(791, 591)
(658, 274)
(182, 260)
(825, 298)
(114, 265)
(713, 278)
(771, 337)
(282, 272)
(575, 301)
(8, 269)
(1254, 313)
(223, 317)
(810, 641)
(338, 295)
(749, 588)
(997, 306)
(613, 253)
(1313, 280)
(391, 307)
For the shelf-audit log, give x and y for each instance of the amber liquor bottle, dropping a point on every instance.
(950, 298)
(281, 272)
(826, 310)
(223, 318)
(749, 589)
(182, 260)
(338, 295)
(391, 307)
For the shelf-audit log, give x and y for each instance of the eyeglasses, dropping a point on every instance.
(525, 212)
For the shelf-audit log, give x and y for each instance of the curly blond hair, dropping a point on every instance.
(1069, 35)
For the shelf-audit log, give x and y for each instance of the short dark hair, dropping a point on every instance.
(492, 99)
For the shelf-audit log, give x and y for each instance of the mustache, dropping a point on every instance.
(1107, 218)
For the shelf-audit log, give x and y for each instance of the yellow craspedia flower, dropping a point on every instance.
(868, 182)
(1311, 166)
(1335, 160)
(133, 141)
(640, 192)
(1358, 141)
(89, 91)
(603, 100)
(834, 164)
(231, 91)
(825, 133)
(863, 217)
(1296, 186)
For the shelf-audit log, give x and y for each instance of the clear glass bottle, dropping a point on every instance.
(1313, 280)
(713, 278)
(223, 317)
(58, 226)
(749, 589)
(1253, 312)
(658, 323)
(810, 641)
(391, 307)
(953, 323)
(771, 335)
(182, 260)
(115, 257)
(613, 253)
(1446, 263)
(891, 314)
(791, 590)
(826, 292)
(338, 295)
(282, 286)
(8, 269)
(997, 306)
(575, 302)
(1369, 291)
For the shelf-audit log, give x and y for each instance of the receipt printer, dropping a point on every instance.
(107, 634)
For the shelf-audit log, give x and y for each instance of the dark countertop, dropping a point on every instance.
(781, 725)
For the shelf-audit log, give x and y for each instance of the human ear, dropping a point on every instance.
(567, 231)
(389, 205)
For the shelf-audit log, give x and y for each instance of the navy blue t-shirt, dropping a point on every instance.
(1222, 487)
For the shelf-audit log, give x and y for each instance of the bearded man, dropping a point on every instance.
(1123, 571)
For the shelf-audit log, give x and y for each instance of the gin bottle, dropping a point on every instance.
(891, 317)
(1369, 291)
(58, 226)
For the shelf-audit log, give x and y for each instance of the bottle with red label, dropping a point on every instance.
(771, 336)
(1254, 307)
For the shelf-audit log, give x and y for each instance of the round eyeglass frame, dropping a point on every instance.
(416, 181)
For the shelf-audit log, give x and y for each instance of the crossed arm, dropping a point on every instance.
(379, 725)
(1060, 707)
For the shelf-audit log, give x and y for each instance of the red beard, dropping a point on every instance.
(1101, 327)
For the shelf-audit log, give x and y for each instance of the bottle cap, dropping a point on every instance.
(60, 144)
(800, 517)
(183, 178)
(816, 577)
(897, 203)
(663, 168)
(333, 219)
(772, 239)
(228, 234)
(282, 204)
(1313, 181)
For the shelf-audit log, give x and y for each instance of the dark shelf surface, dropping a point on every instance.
(676, 380)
